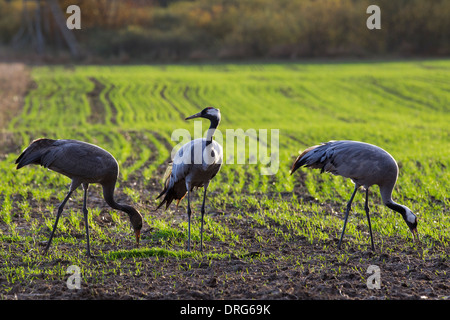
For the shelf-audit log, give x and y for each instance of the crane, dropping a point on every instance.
(84, 163)
(366, 165)
(194, 165)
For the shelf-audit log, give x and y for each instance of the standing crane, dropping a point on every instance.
(84, 163)
(194, 165)
(366, 165)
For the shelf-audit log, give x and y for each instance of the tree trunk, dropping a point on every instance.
(68, 36)
(39, 35)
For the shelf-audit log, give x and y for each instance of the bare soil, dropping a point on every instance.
(14, 83)
(405, 272)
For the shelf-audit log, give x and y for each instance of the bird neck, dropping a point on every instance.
(406, 213)
(396, 207)
(133, 214)
(211, 130)
(386, 195)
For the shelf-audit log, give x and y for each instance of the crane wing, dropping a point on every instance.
(78, 159)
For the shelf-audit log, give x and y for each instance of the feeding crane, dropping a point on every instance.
(365, 164)
(84, 163)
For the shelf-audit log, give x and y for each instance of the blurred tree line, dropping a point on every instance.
(171, 30)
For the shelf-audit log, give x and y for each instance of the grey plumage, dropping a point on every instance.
(84, 163)
(366, 165)
(194, 165)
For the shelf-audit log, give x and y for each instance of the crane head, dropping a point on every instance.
(415, 234)
(138, 236)
(411, 221)
(207, 113)
(136, 221)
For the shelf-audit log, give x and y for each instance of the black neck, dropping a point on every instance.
(133, 214)
(407, 215)
(211, 130)
(396, 207)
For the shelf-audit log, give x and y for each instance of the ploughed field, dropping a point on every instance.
(268, 235)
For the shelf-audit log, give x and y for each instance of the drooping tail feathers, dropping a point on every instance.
(34, 152)
(322, 156)
(175, 192)
(166, 180)
(302, 159)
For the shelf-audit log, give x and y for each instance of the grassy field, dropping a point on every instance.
(266, 236)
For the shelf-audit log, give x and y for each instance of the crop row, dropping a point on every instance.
(132, 111)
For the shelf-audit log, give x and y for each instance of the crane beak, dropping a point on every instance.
(138, 236)
(415, 234)
(197, 115)
(293, 168)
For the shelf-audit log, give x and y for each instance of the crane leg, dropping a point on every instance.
(349, 206)
(85, 213)
(366, 208)
(203, 213)
(189, 220)
(73, 186)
